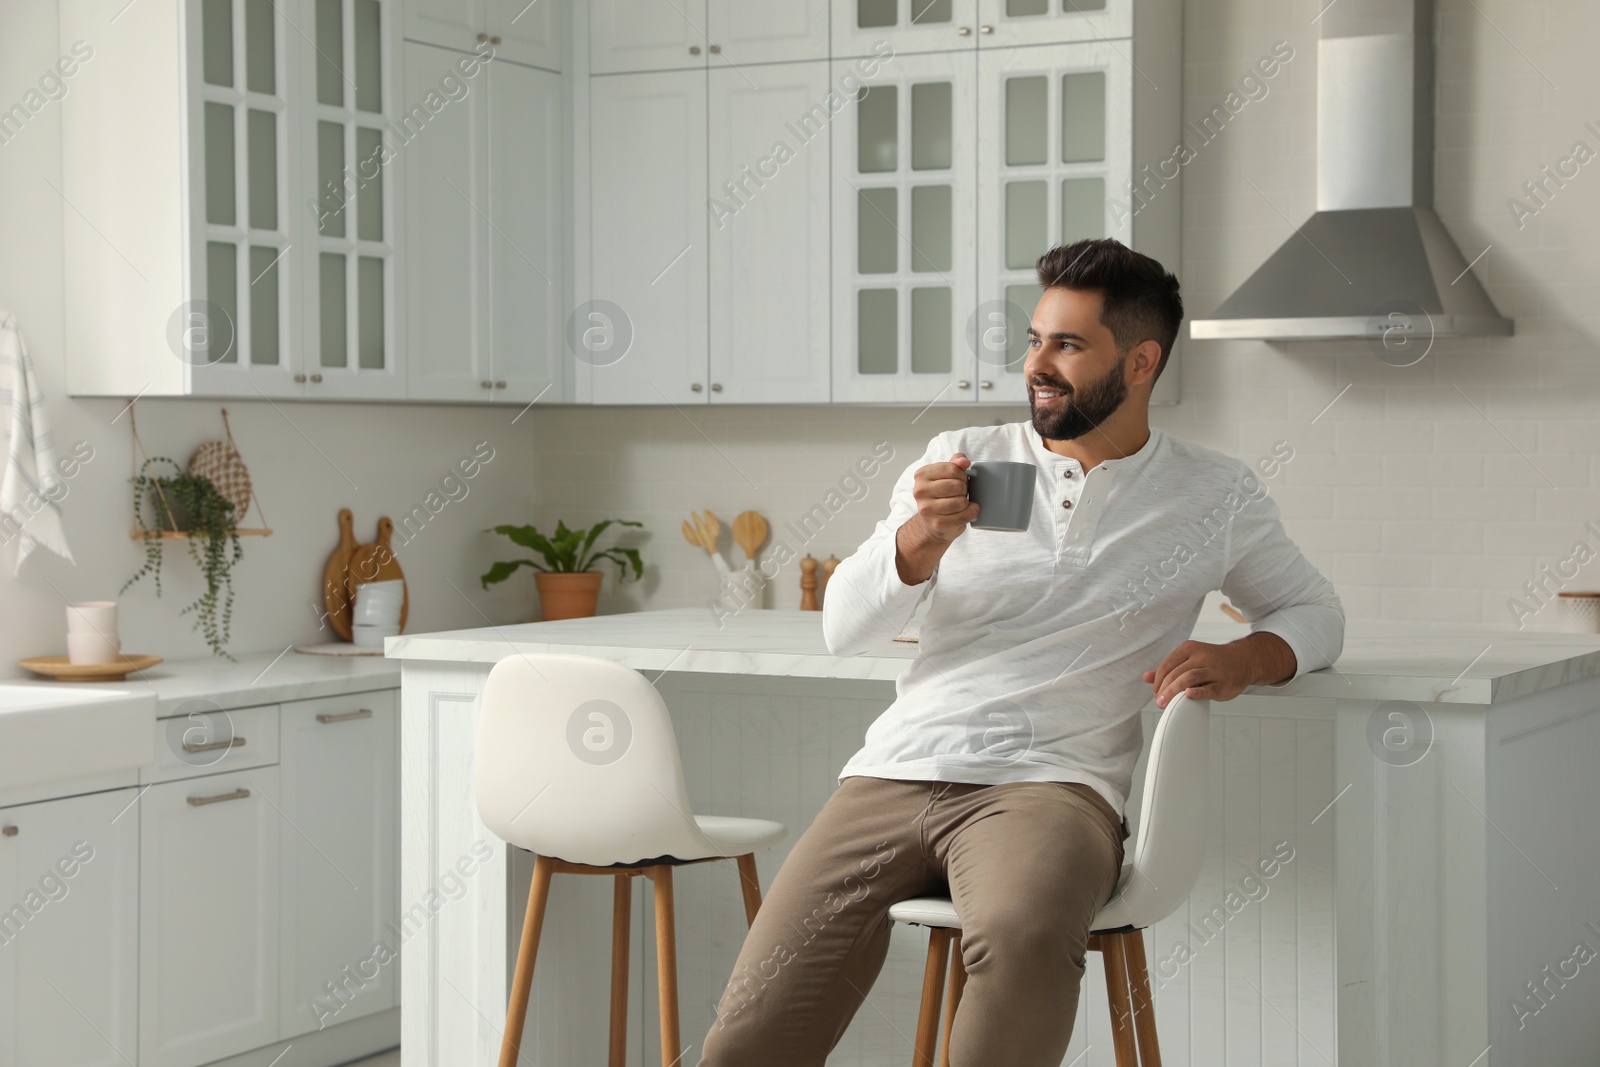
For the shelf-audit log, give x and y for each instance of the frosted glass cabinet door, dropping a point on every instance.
(639, 35)
(907, 25)
(766, 31)
(69, 969)
(1011, 22)
(768, 243)
(643, 334)
(904, 232)
(1055, 150)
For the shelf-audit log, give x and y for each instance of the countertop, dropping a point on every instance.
(260, 678)
(1386, 661)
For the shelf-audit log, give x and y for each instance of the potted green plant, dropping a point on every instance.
(569, 584)
(191, 504)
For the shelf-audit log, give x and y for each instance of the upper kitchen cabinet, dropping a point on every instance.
(642, 35)
(904, 232)
(227, 223)
(530, 32)
(955, 25)
(768, 208)
(485, 272)
(641, 336)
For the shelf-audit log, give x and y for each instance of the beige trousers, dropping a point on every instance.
(1028, 865)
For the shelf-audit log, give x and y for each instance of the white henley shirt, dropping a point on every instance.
(1033, 645)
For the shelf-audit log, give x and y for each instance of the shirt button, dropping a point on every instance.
(1066, 504)
(1068, 473)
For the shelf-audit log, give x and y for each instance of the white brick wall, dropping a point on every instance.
(1427, 493)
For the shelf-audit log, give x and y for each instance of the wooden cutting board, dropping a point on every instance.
(335, 592)
(376, 562)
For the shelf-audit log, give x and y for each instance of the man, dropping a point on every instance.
(1001, 770)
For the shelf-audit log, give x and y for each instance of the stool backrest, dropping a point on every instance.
(1171, 841)
(576, 759)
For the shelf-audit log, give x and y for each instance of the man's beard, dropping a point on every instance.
(1081, 410)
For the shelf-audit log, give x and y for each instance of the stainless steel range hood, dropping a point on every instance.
(1374, 249)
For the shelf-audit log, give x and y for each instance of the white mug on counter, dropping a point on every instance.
(92, 633)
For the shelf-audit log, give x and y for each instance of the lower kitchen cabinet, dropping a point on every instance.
(208, 908)
(338, 835)
(69, 936)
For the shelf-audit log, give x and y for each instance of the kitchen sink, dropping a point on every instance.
(50, 732)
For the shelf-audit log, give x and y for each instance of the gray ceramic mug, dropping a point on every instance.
(1003, 491)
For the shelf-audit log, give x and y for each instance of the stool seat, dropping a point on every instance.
(735, 836)
(941, 912)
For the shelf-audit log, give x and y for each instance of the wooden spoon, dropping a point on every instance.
(749, 530)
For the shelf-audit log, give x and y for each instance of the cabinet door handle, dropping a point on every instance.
(501, 384)
(316, 377)
(200, 802)
(212, 746)
(965, 31)
(495, 39)
(9, 831)
(696, 387)
(716, 387)
(985, 29)
(963, 384)
(487, 384)
(694, 50)
(483, 37)
(985, 385)
(716, 49)
(364, 713)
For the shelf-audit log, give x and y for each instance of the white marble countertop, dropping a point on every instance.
(1380, 662)
(260, 678)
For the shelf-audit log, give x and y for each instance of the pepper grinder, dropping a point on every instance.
(808, 584)
(827, 572)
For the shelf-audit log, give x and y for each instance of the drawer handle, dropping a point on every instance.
(200, 802)
(9, 831)
(212, 746)
(364, 713)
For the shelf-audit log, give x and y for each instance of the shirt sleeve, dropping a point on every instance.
(1274, 586)
(866, 603)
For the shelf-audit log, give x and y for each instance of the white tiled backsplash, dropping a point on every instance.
(1429, 493)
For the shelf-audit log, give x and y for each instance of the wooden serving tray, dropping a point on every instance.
(62, 670)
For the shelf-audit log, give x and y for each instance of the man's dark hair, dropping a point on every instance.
(1140, 300)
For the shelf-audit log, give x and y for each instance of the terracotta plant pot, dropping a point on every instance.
(568, 596)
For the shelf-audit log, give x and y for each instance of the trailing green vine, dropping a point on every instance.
(192, 503)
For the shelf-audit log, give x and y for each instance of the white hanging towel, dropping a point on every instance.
(31, 484)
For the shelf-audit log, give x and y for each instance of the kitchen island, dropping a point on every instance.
(1427, 807)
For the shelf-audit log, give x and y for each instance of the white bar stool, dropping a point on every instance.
(1167, 854)
(577, 762)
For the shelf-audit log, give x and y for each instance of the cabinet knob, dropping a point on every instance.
(316, 378)
(985, 385)
(495, 39)
(965, 31)
(716, 387)
(483, 36)
(9, 831)
(963, 384)
(716, 49)
(300, 378)
(487, 384)
(694, 50)
(985, 29)
(697, 387)
(500, 384)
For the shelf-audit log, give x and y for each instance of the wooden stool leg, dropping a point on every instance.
(527, 952)
(621, 914)
(1117, 994)
(1144, 1009)
(932, 990)
(958, 982)
(666, 964)
(751, 884)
